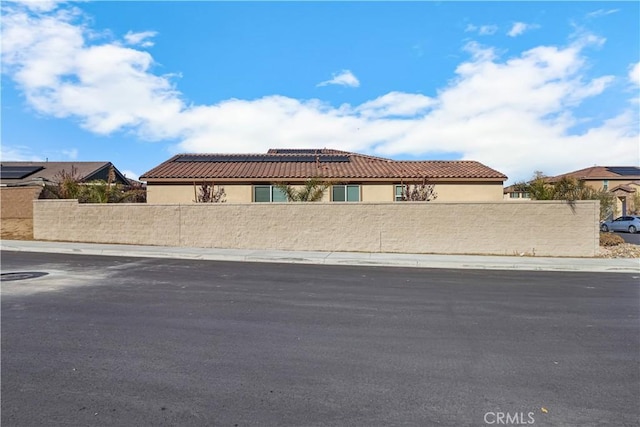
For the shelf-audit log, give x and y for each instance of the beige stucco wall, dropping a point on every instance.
(184, 194)
(159, 194)
(550, 228)
(377, 192)
(469, 192)
(369, 192)
(598, 184)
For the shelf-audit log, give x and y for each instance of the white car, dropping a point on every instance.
(623, 223)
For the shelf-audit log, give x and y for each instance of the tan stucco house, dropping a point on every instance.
(512, 192)
(250, 178)
(603, 177)
(622, 181)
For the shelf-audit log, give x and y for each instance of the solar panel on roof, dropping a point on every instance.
(294, 150)
(625, 170)
(335, 158)
(233, 158)
(298, 159)
(18, 172)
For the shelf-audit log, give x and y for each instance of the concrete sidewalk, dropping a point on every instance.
(617, 265)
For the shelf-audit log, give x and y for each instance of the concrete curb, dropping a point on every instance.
(474, 262)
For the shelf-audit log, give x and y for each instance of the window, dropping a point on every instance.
(268, 193)
(514, 195)
(346, 193)
(526, 195)
(398, 193)
(605, 184)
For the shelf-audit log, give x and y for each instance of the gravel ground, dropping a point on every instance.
(625, 250)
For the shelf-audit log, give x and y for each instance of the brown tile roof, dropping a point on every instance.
(302, 164)
(602, 172)
(50, 171)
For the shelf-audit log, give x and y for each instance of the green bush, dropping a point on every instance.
(610, 239)
(569, 189)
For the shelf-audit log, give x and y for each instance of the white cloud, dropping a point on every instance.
(23, 153)
(634, 74)
(483, 30)
(519, 28)
(343, 78)
(39, 5)
(470, 28)
(130, 174)
(18, 153)
(395, 104)
(71, 154)
(515, 114)
(487, 30)
(108, 87)
(602, 12)
(140, 39)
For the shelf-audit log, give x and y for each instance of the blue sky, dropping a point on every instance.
(519, 86)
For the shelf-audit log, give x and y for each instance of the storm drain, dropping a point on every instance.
(22, 275)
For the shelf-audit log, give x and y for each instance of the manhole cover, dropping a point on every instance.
(23, 275)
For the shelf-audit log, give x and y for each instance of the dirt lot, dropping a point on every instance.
(16, 212)
(16, 229)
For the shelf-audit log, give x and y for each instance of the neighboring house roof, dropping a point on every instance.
(33, 173)
(624, 188)
(291, 164)
(602, 172)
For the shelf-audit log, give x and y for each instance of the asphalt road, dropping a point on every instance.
(107, 341)
(630, 238)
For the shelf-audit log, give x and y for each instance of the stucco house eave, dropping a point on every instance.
(300, 180)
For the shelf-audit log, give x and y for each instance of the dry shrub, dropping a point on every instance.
(610, 239)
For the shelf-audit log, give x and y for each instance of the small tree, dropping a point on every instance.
(418, 192)
(569, 189)
(135, 193)
(607, 203)
(538, 187)
(635, 208)
(207, 193)
(68, 185)
(312, 191)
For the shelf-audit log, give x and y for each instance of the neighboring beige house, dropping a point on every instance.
(603, 177)
(248, 178)
(511, 193)
(623, 181)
